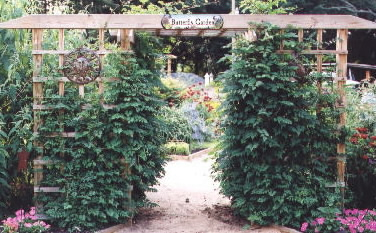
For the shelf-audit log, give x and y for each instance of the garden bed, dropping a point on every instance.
(191, 156)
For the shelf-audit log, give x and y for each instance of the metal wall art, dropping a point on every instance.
(82, 66)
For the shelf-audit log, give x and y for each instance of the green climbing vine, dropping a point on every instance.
(273, 157)
(92, 169)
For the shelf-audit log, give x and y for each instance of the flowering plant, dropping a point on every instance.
(352, 221)
(366, 144)
(197, 93)
(24, 222)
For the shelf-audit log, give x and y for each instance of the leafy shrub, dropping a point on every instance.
(177, 148)
(170, 91)
(176, 123)
(94, 179)
(272, 160)
(15, 93)
(4, 186)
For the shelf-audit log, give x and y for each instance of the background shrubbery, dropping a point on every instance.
(361, 147)
(15, 114)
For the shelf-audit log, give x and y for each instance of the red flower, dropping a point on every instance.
(200, 83)
(354, 140)
(365, 157)
(362, 130)
(364, 136)
(373, 138)
(372, 144)
(357, 135)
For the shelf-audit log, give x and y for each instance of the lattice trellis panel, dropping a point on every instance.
(38, 90)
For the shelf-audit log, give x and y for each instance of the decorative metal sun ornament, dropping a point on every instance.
(82, 66)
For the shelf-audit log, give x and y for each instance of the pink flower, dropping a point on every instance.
(20, 212)
(304, 227)
(28, 225)
(320, 221)
(372, 212)
(32, 211)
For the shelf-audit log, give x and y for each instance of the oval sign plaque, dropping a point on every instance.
(192, 22)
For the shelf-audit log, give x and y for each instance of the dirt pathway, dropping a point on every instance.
(189, 202)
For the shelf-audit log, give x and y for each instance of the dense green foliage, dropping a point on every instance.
(4, 186)
(94, 180)
(177, 124)
(177, 148)
(15, 92)
(264, 7)
(272, 157)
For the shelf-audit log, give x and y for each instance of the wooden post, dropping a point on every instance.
(125, 44)
(282, 46)
(37, 35)
(61, 83)
(169, 67)
(319, 64)
(101, 56)
(81, 90)
(368, 75)
(300, 35)
(125, 41)
(61, 59)
(341, 59)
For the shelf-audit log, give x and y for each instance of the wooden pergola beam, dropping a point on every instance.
(153, 22)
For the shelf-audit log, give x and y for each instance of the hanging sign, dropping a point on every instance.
(192, 22)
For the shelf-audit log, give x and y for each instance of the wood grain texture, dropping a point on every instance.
(39, 107)
(44, 162)
(65, 79)
(38, 189)
(112, 21)
(341, 69)
(316, 51)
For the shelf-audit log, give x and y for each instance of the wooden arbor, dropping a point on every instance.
(233, 24)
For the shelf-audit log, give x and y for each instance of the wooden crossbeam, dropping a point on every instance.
(65, 79)
(62, 134)
(85, 106)
(313, 52)
(38, 189)
(153, 21)
(44, 162)
(63, 52)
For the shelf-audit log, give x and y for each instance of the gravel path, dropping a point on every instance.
(189, 202)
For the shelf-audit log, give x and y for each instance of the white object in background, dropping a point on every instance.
(211, 77)
(207, 81)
